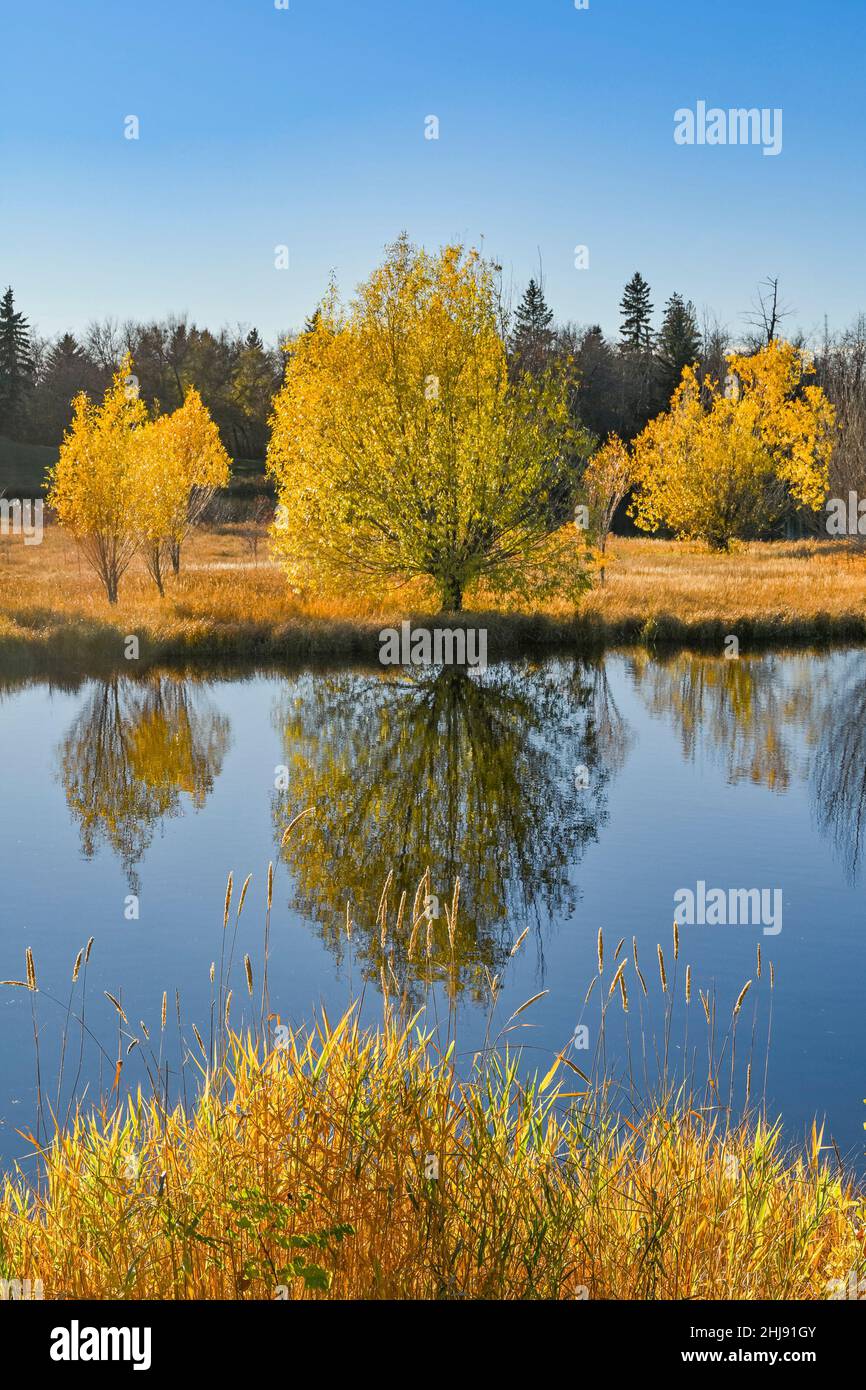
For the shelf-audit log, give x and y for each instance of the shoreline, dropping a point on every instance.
(231, 606)
(87, 648)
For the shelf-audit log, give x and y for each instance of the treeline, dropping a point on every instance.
(235, 373)
(620, 383)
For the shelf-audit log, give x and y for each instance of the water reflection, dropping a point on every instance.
(473, 779)
(839, 771)
(134, 749)
(751, 711)
(755, 712)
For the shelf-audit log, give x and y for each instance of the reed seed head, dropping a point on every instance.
(741, 996)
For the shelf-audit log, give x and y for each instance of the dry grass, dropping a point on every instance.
(783, 582)
(310, 1174)
(227, 606)
(351, 1164)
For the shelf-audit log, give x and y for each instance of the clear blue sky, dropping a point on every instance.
(305, 127)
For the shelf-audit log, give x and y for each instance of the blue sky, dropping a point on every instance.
(304, 127)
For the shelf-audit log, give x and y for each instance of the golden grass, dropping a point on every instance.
(787, 582)
(357, 1164)
(227, 606)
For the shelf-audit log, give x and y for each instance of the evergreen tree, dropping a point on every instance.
(679, 343)
(16, 363)
(65, 372)
(532, 337)
(636, 331)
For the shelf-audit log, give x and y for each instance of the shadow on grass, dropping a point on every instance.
(44, 642)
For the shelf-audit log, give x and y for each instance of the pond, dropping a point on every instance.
(566, 796)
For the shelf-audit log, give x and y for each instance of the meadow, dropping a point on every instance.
(232, 602)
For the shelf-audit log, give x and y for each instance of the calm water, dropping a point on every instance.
(567, 796)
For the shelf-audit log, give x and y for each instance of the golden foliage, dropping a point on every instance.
(180, 462)
(401, 449)
(732, 467)
(92, 487)
(123, 483)
(306, 1173)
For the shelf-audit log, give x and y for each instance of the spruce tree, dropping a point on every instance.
(679, 342)
(532, 336)
(636, 331)
(16, 363)
(65, 371)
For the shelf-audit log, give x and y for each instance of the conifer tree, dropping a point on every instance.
(16, 363)
(532, 336)
(679, 343)
(636, 309)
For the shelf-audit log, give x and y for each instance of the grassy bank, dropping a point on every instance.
(313, 1172)
(384, 1163)
(230, 604)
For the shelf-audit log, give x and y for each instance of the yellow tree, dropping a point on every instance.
(733, 467)
(400, 448)
(196, 455)
(180, 463)
(92, 485)
(608, 477)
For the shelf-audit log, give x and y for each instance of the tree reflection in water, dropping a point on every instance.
(839, 770)
(745, 710)
(473, 778)
(765, 716)
(134, 749)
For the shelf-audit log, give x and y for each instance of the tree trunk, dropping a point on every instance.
(174, 552)
(452, 595)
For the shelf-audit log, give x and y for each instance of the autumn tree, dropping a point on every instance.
(731, 468)
(92, 486)
(400, 448)
(608, 477)
(180, 464)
